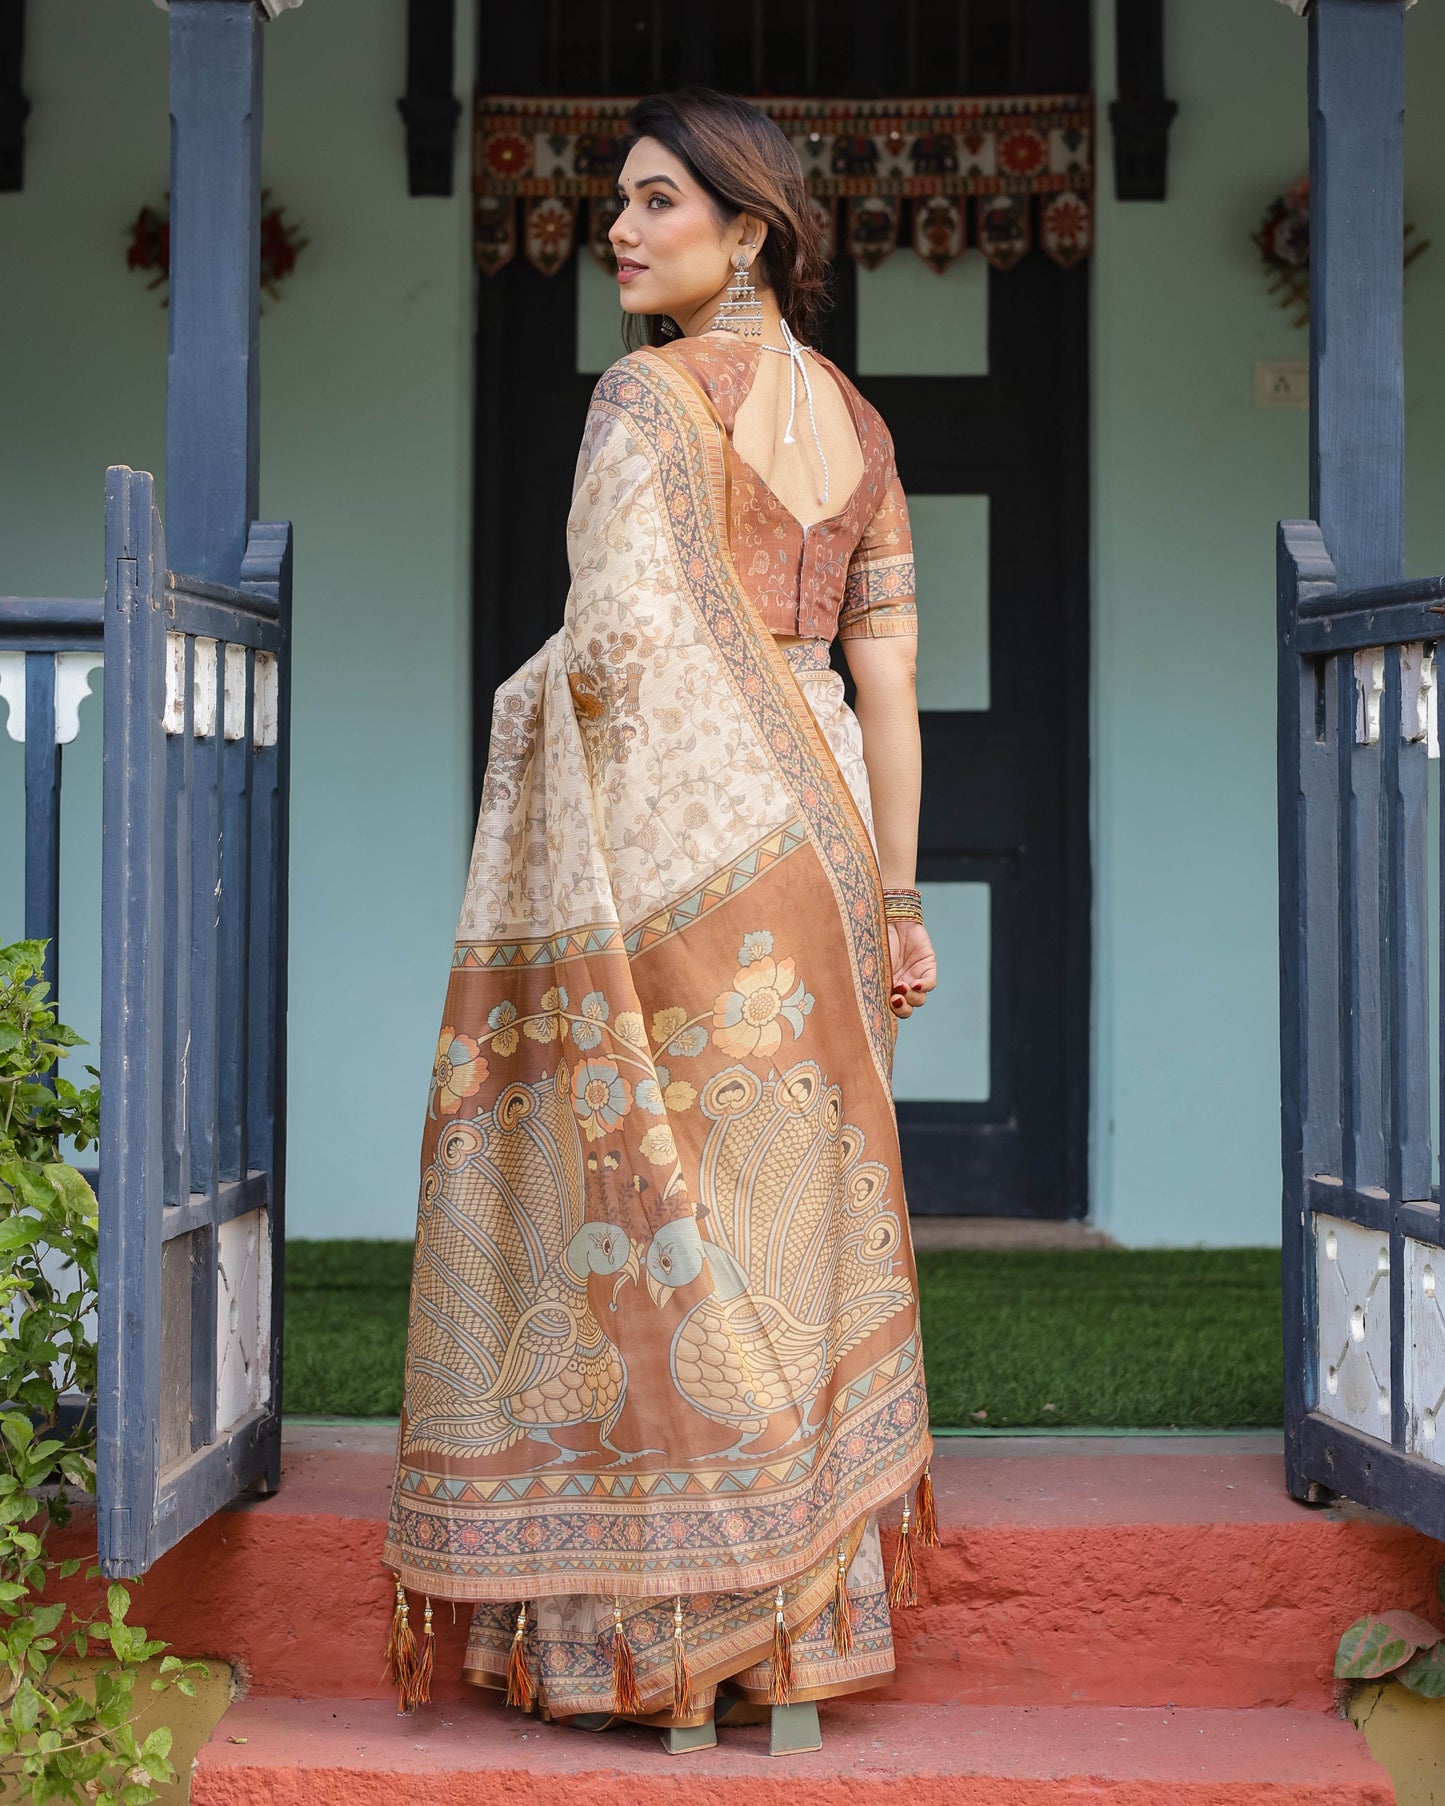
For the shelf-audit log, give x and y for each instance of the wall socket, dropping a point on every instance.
(1281, 383)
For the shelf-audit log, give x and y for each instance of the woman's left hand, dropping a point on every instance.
(915, 969)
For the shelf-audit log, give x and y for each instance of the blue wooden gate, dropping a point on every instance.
(192, 1041)
(1364, 1253)
(193, 990)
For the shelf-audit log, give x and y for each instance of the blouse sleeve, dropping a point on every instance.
(878, 598)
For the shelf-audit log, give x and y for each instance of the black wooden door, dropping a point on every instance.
(1005, 802)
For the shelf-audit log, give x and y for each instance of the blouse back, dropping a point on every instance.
(850, 574)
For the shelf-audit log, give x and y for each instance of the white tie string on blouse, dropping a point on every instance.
(793, 351)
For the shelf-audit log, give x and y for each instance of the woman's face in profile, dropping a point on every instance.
(672, 256)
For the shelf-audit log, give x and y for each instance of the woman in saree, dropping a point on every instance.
(663, 1364)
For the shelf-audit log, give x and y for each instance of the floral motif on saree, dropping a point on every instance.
(663, 1336)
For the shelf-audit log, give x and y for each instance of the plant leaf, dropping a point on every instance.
(1424, 1673)
(74, 1193)
(17, 1232)
(1370, 1648)
(1420, 1631)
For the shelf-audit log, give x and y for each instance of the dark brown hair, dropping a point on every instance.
(744, 163)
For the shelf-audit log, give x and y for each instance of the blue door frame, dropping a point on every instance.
(1361, 1214)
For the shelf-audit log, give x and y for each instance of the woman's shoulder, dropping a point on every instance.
(720, 364)
(720, 368)
(647, 365)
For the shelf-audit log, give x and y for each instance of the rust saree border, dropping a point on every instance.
(548, 1550)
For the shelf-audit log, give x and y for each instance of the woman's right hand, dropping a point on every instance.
(915, 969)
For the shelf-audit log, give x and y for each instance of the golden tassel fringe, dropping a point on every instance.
(520, 1691)
(927, 1530)
(780, 1689)
(625, 1695)
(425, 1662)
(682, 1700)
(401, 1651)
(842, 1607)
(903, 1583)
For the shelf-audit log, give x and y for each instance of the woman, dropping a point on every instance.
(662, 1362)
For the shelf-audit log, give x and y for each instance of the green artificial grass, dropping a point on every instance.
(1099, 1337)
(346, 1308)
(1128, 1338)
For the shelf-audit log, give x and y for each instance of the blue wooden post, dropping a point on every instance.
(42, 812)
(1357, 224)
(212, 391)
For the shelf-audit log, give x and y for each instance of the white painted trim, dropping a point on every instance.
(1369, 689)
(1419, 696)
(265, 705)
(174, 719)
(203, 683)
(73, 672)
(12, 691)
(235, 692)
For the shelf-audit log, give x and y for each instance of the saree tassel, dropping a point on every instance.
(401, 1650)
(425, 1662)
(842, 1607)
(780, 1689)
(520, 1691)
(682, 1701)
(927, 1529)
(625, 1695)
(903, 1583)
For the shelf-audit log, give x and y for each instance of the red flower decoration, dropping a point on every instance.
(150, 245)
(508, 154)
(1070, 219)
(1021, 153)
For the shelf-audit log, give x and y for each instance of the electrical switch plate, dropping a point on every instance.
(1281, 383)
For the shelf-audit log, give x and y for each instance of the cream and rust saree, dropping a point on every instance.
(662, 1359)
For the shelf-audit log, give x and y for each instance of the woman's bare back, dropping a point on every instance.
(794, 471)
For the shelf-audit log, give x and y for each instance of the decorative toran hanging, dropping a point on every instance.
(987, 173)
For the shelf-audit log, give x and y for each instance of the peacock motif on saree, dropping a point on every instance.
(502, 1218)
(796, 1284)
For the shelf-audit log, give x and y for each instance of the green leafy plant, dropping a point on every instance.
(1397, 1646)
(62, 1736)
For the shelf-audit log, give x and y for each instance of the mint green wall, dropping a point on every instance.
(365, 442)
(1189, 480)
(366, 386)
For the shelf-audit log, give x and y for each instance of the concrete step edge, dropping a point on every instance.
(326, 1752)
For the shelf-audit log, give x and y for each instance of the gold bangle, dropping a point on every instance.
(902, 903)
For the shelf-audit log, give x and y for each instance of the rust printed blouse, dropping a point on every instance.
(850, 574)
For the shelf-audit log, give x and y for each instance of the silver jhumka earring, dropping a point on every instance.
(740, 310)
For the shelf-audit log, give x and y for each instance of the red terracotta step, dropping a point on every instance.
(359, 1753)
(1133, 1572)
(1143, 1571)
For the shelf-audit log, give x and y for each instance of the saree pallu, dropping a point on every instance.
(662, 1356)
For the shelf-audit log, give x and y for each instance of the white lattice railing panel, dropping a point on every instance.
(1352, 1268)
(1425, 1350)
